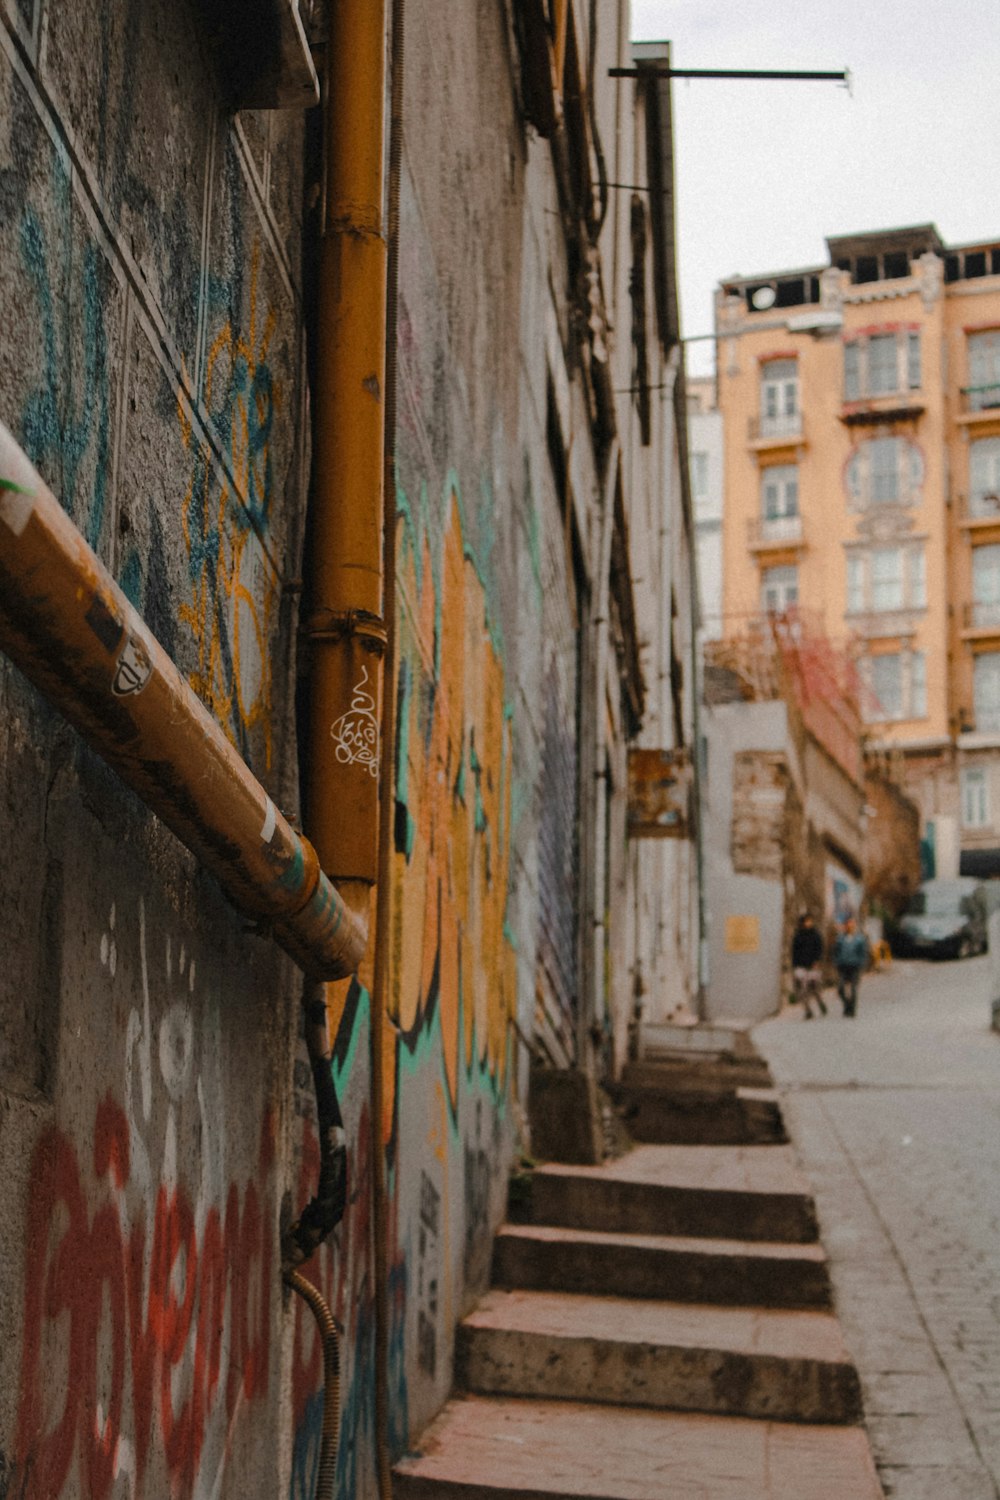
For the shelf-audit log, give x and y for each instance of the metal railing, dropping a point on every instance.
(774, 531)
(879, 624)
(777, 425)
(980, 397)
(980, 505)
(982, 614)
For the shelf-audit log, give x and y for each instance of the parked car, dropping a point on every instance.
(945, 919)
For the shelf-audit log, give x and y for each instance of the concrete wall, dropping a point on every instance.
(156, 1115)
(892, 844)
(149, 1114)
(743, 984)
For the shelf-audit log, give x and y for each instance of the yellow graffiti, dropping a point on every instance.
(450, 955)
(449, 894)
(232, 582)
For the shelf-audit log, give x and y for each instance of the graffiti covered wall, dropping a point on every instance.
(151, 367)
(156, 1117)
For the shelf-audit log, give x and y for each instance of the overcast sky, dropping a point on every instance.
(766, 169)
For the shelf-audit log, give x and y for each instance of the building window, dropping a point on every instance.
(779, 398)
(896, 685)
(699, 475)
(917, 578)
(984, 369)
(918, 685)
(883, 374)
(986, 691)
(881, 365)
(913, 361)
(975, 798)
(779, 496)
(779, 590)
(881, 579)
(885, 471)
(986, 585)
(984, 477)
(887, 578)
(887, 685)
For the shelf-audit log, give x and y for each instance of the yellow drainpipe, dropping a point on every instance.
(344, 630)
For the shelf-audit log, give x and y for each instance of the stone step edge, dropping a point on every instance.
(839, 1458)
(779, 1251)
(660, 1377)
(622, 1200)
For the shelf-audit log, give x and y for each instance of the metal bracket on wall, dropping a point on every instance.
(656, 71)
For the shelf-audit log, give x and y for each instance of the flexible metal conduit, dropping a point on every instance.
(71, 630)
(331, 1381)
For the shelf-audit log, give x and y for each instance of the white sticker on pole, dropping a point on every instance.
(270, 822)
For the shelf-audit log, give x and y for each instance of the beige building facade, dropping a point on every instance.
(861, 408)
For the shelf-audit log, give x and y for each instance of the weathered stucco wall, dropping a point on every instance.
(156, 1114)
(743, 983)
(152, 369)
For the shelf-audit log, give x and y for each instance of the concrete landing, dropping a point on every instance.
(752, 1362)
(678, 1268)
(745, 1192)
(483, 1448)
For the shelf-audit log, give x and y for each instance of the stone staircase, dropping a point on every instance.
(660, 1327)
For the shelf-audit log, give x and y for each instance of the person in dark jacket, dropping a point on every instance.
(850, 955)
(807, 955)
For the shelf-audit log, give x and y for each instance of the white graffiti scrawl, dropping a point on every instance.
(355, 734)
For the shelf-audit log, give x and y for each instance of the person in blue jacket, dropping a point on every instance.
(850, 957)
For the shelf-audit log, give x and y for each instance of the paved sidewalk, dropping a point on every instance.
(896, 1119)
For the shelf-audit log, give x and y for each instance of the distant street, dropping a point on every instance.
(896, 1116)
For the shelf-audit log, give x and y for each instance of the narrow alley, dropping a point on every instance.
(896, 1118)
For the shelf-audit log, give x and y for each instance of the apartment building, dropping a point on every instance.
(705, 449)
(861, 408)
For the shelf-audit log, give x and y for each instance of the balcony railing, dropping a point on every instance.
(987, 721)
(982, 614)
(785, 424)
(980, 398)
(774, 531)
(881, 624)
(980, 505)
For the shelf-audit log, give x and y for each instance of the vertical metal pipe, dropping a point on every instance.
(387, 791)
(343, 628)
(593, 784)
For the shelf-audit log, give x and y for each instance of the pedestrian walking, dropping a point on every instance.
(807, 955)
(850, 956)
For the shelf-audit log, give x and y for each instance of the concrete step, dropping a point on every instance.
(692, 1071)
(727, 1192)
(748, 1362)
(656, 1038)
(671, 1267)
(687, 1114)
(483, 1448)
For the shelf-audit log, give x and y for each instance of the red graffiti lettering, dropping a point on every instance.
(122, 1341)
